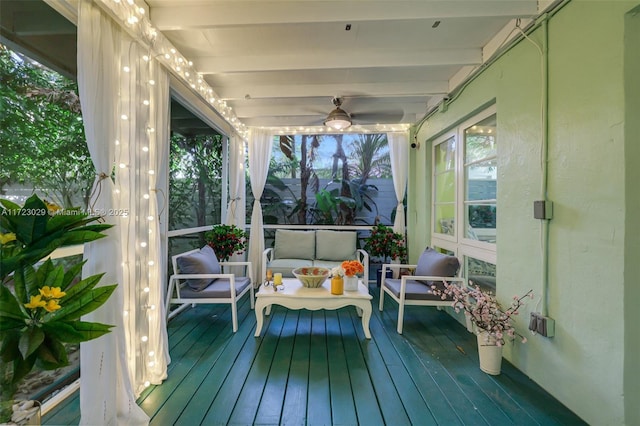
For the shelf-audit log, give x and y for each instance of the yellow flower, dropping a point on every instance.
(52, 293)
(52, 305)
(52, 207)
(36, 302)
(7, 238)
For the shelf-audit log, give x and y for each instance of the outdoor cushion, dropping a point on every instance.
(294, 244)
(432, 263)
(329, 264)
(335, 245)
(286, 266)
(414, 290)
(199, 262)
(219, 289)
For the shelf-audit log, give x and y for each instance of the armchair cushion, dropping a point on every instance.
(415, 290)
(432, 263)
(286, 266)
(218, 289)
(335, 245)
(199, 262)
(294, 244)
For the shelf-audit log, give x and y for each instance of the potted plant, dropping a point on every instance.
(41, 306)
(225, 240)
(493, 324)
(386, 245)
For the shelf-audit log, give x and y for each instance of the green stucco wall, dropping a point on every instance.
(632, 222)
(591, 254)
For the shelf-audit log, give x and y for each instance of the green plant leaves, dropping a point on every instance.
(30, 340)
(83, 304)
(75, 331)
(10, 308)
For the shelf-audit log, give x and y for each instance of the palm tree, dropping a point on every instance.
(371, 155)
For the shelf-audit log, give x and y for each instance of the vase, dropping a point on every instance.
(489, 353)
(351, 283)
(337, 285)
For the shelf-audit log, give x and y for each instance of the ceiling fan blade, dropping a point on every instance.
(382, 117)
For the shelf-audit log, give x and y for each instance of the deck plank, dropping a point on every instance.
(364, 396)
(192, 362)
(319, 394)
(270, 405)
(343, 409)
(246, 405)
(202, 397)
(316, 368)
(294, 407)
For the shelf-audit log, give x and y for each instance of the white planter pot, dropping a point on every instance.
(490, 355)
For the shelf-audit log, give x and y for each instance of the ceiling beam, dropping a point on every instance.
(237, 13)
(248, 110)
(382, 58)
(410, 88)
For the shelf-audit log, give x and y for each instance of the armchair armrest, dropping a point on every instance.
(267, 256)
(246, 264)
(364, 259)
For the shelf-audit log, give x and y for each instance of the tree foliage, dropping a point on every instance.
(195, 166)
(41, 132)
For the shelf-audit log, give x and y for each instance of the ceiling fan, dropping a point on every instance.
(339, 119)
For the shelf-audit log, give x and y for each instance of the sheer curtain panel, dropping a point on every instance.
(124, 97)
(260, 144)
(399, 155)
(236, 210)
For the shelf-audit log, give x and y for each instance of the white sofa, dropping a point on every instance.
(324, 248)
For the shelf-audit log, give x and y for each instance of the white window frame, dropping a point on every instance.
(459, 243)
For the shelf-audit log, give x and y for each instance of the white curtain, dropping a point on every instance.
(155, 366)
(124, 97)
(260, 144)
(399, 154)
(236, 210)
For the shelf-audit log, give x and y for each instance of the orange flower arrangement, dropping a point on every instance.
(352, 267)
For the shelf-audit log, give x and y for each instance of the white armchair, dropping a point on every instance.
(199, 278)
(409, 290)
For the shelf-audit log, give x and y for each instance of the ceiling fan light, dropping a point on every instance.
(338, 119)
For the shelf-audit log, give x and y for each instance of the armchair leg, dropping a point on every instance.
(234, 316)
(381, 304)
(400, 317)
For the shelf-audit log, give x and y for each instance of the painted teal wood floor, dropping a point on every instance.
(316, 368)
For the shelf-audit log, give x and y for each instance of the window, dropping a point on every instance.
(342, 180)
(464, 195)
(480, 172)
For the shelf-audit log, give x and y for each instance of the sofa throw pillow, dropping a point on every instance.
(436, 264)
(294, 244)
(335, 245)
(199, 262)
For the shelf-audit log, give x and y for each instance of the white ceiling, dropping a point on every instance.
(280, 63)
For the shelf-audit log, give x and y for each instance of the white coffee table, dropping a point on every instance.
(293, 295)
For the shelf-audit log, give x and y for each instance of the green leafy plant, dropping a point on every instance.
(41, 306)
(385, 244)
(225, 240)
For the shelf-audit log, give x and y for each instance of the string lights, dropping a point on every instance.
(135, 21)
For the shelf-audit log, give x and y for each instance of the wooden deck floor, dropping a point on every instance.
(316, 368)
